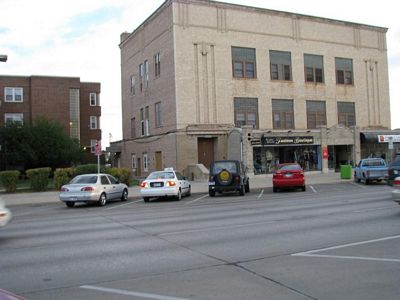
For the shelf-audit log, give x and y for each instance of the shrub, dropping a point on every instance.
(124, 175)
(39, 178)
(63, 176)
(87, 169)
(9, 180)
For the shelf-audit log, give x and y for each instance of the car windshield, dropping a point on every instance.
(84, 179)
(161, 175)
(290, 167)
(373, 163)
(227, 165)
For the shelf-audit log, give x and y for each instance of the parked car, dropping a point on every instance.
(167, 183)
(370, 169)
(393, 170)
(5, 215)
(88, 188)
(396, 190)
(228, 175)
(288, 176)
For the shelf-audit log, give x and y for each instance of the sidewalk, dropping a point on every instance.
(256, 182)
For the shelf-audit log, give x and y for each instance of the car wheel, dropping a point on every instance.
(247, 187)
(189, 191)
(146, 199)
(366, 181)
(179, 196)
(124, 196)
(274, 189)
(241, 191)
(70, 203)
(303, 188)
(103, 199)
(211, 193)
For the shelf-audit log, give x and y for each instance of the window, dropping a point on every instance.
(246, 112)
(316, 114)
(93, 122)
(144, 121)
(133, 128)
(13, 94)
(157, 66)
(14, 118)
(145, 162)
(93, 144)
(141, 75)
(344, 70)
(282, 114)
(346, 114)
(281, 65)
(132, 84)
(93, 99)
(244, 62)
(133, 162)
(146, 74)
(157, 108)
(314, 68)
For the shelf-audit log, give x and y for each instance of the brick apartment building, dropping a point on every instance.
(67, 100)
(204, 80)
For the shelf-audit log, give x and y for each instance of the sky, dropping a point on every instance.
(80, 38)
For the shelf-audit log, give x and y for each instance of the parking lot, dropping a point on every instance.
(333, 241)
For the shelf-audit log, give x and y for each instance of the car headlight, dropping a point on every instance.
(395, 172)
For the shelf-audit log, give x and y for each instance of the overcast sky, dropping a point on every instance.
(80, 38)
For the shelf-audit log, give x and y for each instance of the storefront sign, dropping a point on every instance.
(389, 138)
(282, 140)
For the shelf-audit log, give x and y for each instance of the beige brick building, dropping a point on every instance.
(204, 80)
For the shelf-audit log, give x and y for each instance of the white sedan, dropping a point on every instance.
(167, 183)
(5, 214)
(396, 190)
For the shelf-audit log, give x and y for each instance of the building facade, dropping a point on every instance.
(204, 80)
(67, 100)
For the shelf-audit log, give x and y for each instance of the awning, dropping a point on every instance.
(368, 137)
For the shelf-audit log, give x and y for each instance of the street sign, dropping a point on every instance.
(97, 148)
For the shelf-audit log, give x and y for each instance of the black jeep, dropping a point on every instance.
(228, 175)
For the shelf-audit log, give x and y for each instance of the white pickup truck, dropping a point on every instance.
(371, 169)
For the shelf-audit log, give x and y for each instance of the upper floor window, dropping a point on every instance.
(316, 114)
(13, 118)
(282, 114)
(281, 65)
(93, 99)
(141, 76)
(146, 74)
(133, 128)
(132, 84)
(144, 121)
(246, 112)
(93, 122)
(314, 68)
(344, 70)
(157, 65)
(157, 111)
(13, 94)
(346, 113)
(93, 144)
(244, 62)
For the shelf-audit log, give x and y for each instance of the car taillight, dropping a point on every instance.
(64, 189)
(87, 189)
(170, 183)
(278, 174)
(144, 184)
(396, 182)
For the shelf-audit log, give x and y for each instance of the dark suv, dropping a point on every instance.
(393, 170)
(228, 175)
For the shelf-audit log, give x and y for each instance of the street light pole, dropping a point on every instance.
(3, 57)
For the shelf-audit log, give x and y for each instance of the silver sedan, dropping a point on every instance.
(93, 188)
(5, 214)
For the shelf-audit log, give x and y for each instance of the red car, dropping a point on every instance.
(290, 175)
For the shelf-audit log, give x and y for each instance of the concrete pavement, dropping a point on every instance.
(256, 181)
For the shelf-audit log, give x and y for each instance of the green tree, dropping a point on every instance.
(45, 144)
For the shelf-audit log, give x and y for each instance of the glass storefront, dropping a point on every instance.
(267, 158)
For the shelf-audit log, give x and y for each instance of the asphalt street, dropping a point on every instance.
(334, 241)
